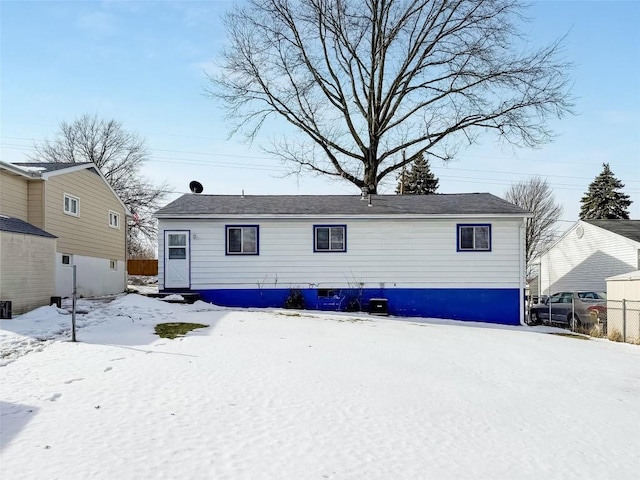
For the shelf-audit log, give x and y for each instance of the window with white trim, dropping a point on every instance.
(67, 260)
(114, 219)
(71, 205)
(474, 238)
(329, 238)
(242, 239)
(113, 264)
(177, 243)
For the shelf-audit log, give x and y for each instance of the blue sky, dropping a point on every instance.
(143, 63)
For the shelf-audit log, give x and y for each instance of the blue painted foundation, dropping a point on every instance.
(498, 305)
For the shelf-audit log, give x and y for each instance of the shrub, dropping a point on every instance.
(615, 336)
(596, 331)
(295, 299)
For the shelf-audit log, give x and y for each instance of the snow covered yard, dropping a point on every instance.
(310, 395)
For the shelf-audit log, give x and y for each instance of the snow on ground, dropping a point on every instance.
(308, 395)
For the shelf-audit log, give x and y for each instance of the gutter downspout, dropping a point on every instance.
(522, 272)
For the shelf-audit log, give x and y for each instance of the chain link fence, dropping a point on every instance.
(623, 320)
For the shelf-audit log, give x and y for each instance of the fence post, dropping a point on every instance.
(73, 305)
(624, 320)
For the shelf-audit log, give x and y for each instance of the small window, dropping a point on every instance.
(66, 259)
(114, 219)
(71, 205)
(474, 238)
(113, 264)
(330, 238)
(242, 240)
(177, 243)
(328, 292)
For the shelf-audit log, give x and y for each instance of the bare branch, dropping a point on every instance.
(366, 79)
(119, 155)
(535, 196)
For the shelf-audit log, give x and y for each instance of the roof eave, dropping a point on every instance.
(18, 171)
(202, 216)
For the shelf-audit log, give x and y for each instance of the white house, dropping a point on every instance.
(588, 253)
(448, 256)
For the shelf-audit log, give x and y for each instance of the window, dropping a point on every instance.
(114, 219)
(177, 243)
(66, 259)
(561, 297)
(566, 297)
(328, 292)
(242, 240)
(113, 264)
(474, 238)
(329, 238)
(71, 205)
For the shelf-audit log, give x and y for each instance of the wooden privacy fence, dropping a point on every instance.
(142, 267)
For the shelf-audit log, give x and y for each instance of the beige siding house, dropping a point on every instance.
(623, 306)
(74, 203)
(27, 264)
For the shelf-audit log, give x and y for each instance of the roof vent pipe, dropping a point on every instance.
(365, 192)
(369, 196)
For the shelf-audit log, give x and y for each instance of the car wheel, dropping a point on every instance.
(535, 318)
(574, 322)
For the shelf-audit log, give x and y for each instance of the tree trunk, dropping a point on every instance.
(370, 179)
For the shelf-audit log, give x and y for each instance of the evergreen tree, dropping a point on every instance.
(419, 180)
(603, 200)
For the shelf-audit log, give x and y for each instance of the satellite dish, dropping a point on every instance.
(196, 187)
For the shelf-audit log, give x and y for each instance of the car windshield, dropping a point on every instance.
(592, 296)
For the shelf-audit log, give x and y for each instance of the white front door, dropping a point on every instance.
(176, 259)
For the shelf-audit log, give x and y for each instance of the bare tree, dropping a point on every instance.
(535, 196)
(119, 155)
(364, 80)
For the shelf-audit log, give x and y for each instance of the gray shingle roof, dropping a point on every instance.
(15, 225)
(626, 228)
(49, 167)
(438, 204)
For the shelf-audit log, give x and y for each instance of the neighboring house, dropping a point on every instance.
(27, 264)
(623, 306)
(588, 253)
(446, 256)
(75, 203)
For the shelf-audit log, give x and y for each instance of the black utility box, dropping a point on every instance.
(57, 301)
(5, 309)
(379, 306)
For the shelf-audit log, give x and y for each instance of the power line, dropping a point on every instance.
(471, 155)
(165, 159)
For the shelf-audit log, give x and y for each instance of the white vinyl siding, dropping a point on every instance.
(410, 253)
(584, 262)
